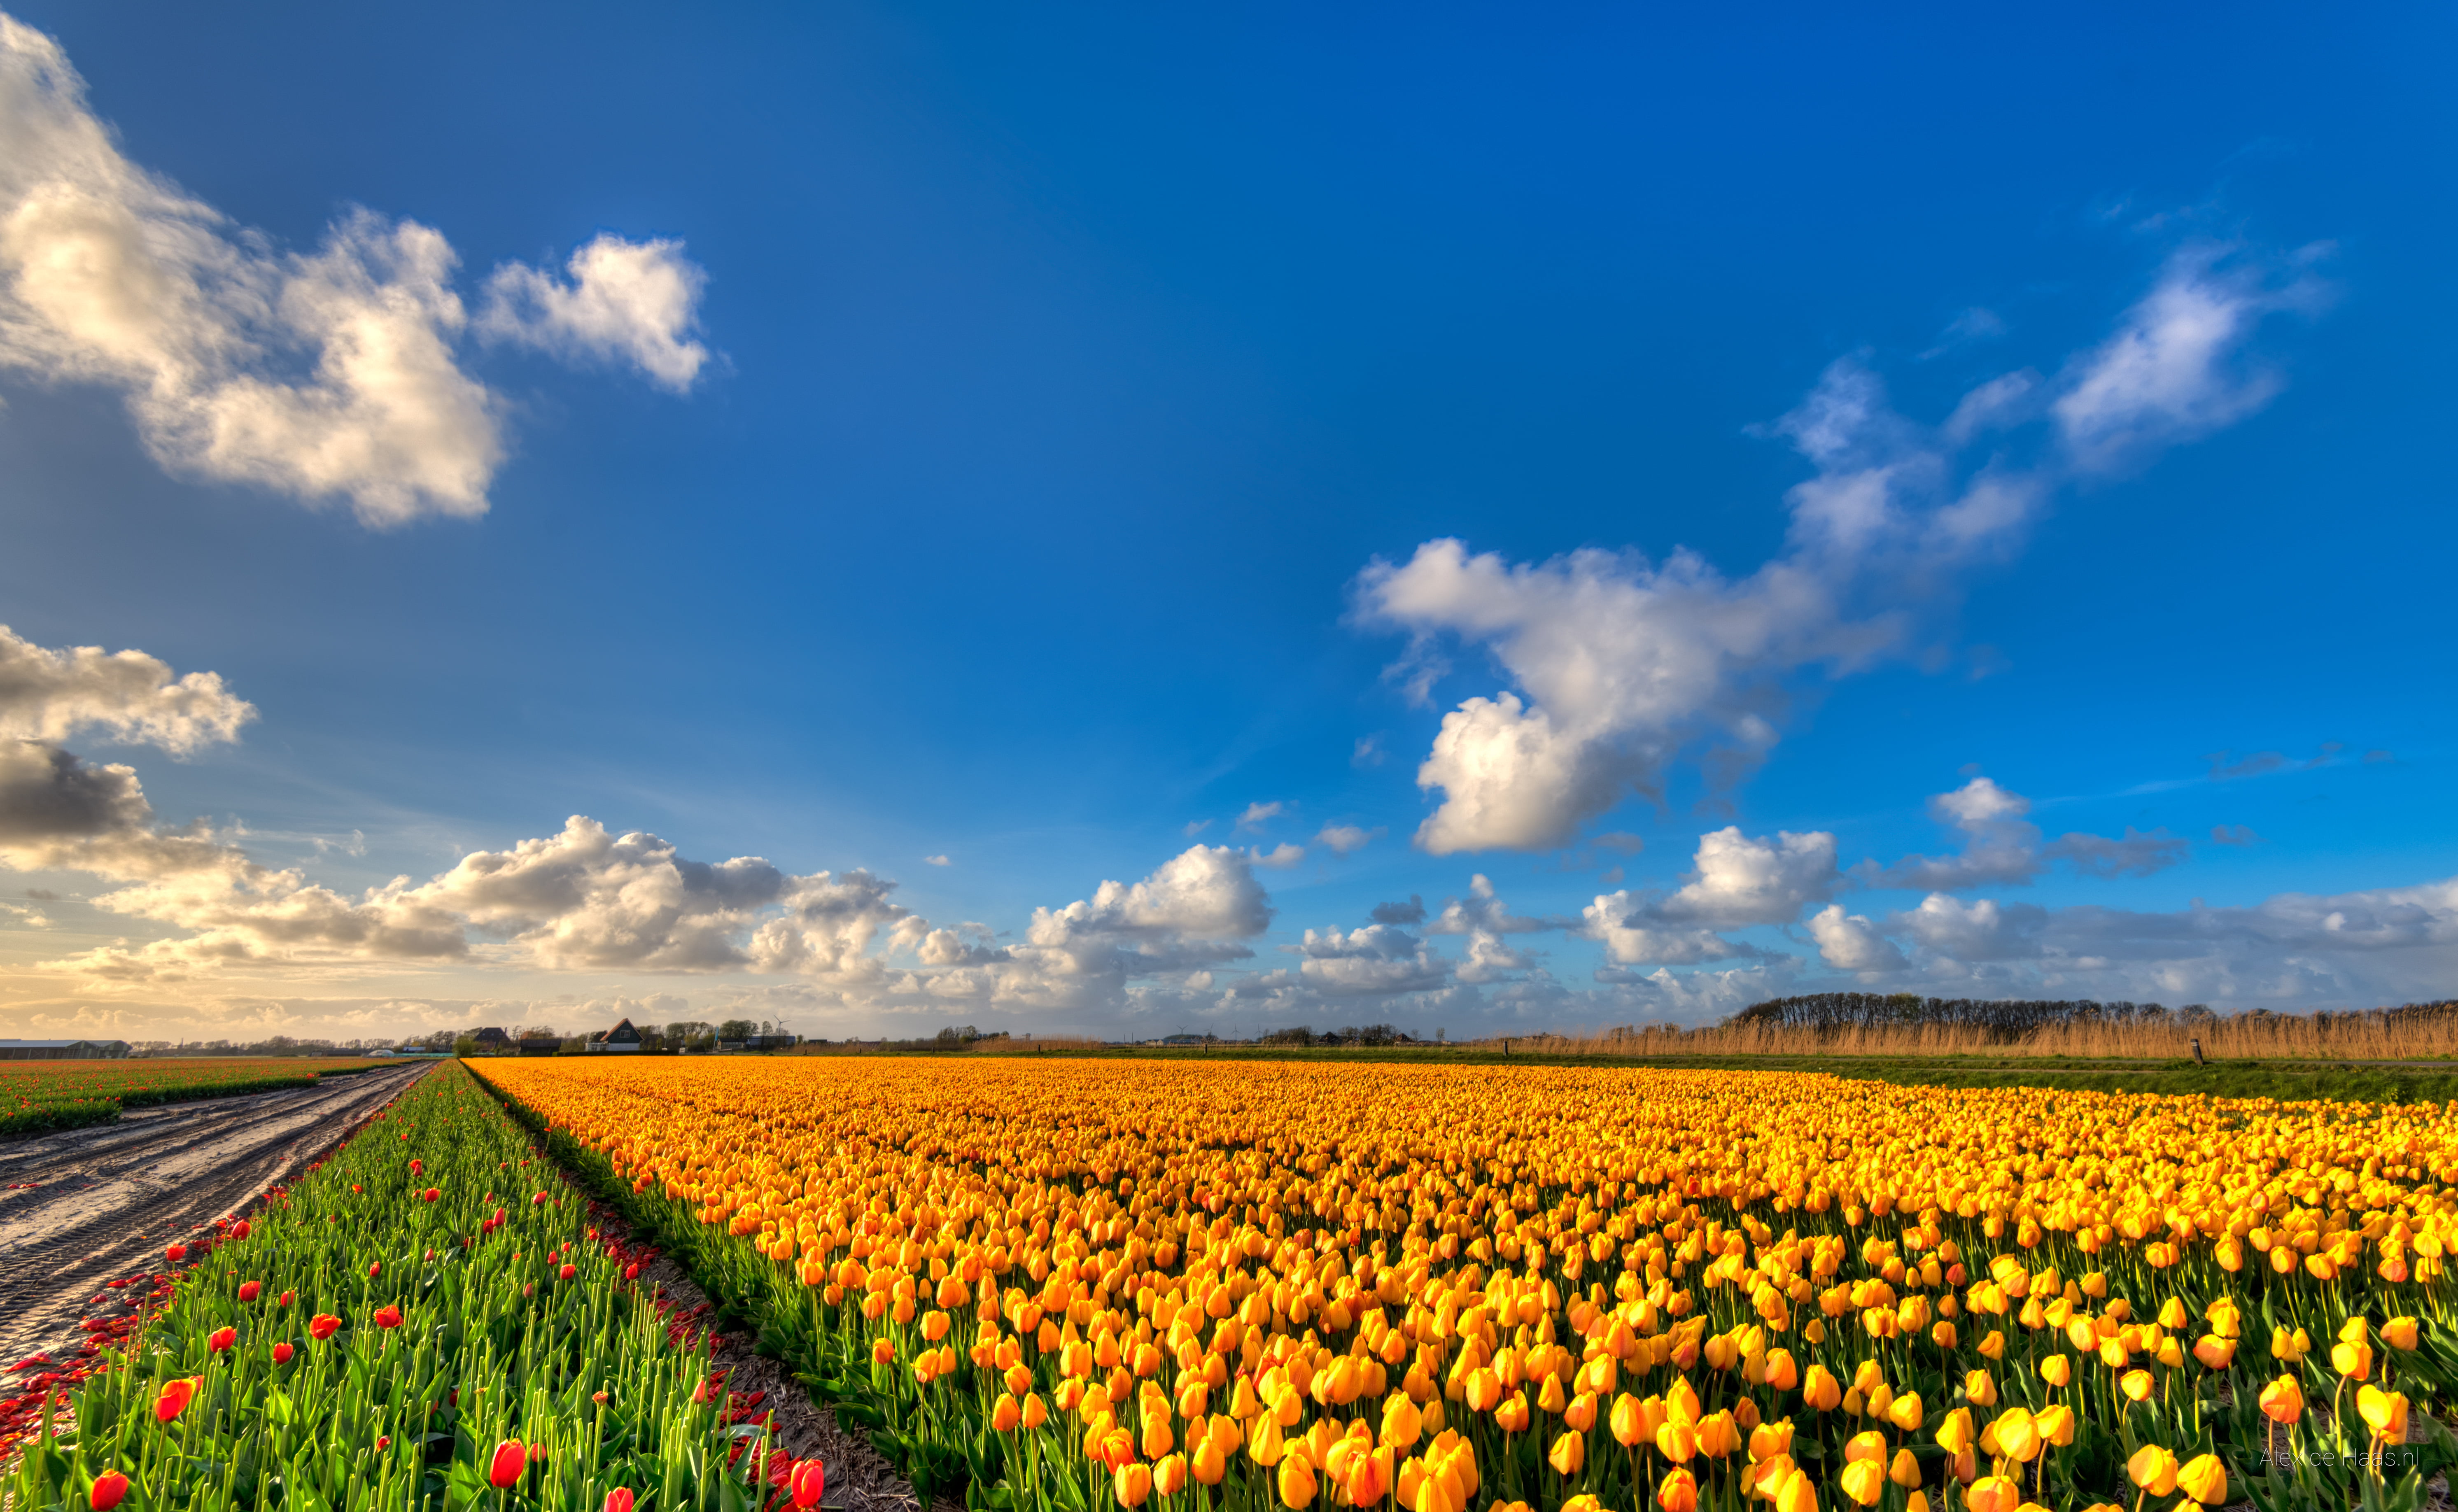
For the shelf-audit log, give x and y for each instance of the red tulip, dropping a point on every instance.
(434, 1192)
(510, 1459)
(240, 1231)
(220, 1339)
(808, 1482)
(632, 1272)
(286, 1298)
(538, 1201)
(323, 1325)
(498, 1220)
(568, 1272)
(175, 1254)
(250, 1291)
(375, 1268)
(387, 1318)
(417, 1165)
(383, 1441)
(175, 1399)
(618, 1499)
(281, 1353)
(111, 1485)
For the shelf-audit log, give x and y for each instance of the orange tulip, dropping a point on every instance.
(2282, 1400)
(1994, 1493)
(1296, 1482)
(1819, 1389)
(175, 1398)
(1677, 1492)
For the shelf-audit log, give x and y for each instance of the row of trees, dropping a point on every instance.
(2007, 1020)
(1370, 1035)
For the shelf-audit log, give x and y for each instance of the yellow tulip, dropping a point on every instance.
(2154, 1469)
(2205, 1479)
(2386, 1411)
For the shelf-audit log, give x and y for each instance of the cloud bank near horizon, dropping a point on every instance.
(1752, 915)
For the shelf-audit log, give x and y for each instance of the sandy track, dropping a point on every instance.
(93, 1205)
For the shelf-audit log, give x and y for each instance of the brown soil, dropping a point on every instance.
(85, 1206)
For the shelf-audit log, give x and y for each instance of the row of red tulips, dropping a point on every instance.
(430, 1319)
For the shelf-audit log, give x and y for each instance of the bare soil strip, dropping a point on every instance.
(88, 1206)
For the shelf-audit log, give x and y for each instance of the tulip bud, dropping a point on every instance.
(511, 1460)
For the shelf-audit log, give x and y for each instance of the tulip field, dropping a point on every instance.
(39, 1095)
(1085, 1284)
(430, 1319)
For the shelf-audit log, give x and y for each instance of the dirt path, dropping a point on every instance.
(86, 1206)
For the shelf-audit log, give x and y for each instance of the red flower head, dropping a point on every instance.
(111, 1485)
(632, 1272)
(375, 1268)
(175, 1399)
(568, 1272)
(239, 1230)
(281, 1353)
(323, 1325)
(618, 1499)
(175, 1254)
(220, 1339)
(383, 1441)
(808, 1482)
(433, 1192)
(387, 1318)
(538, 1201)
(417, 1165)
(286, 1298)
(510, 1459)
(250, 1291)
(498, 1220)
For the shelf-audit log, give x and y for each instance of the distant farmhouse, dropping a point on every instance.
(621, 1038)
(492, 1041)
(63, 1050)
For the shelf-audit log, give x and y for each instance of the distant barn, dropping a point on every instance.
(621, 1038)
(63, 1050)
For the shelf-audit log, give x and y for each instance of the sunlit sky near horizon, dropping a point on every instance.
(1098, 520)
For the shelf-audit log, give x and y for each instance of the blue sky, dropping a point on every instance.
(1030, 442)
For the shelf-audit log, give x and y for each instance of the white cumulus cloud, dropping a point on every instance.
(1850, 943)
(331, 374)
(626, 302)
(1617, 664)
(2002, 847)
(126, 695)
